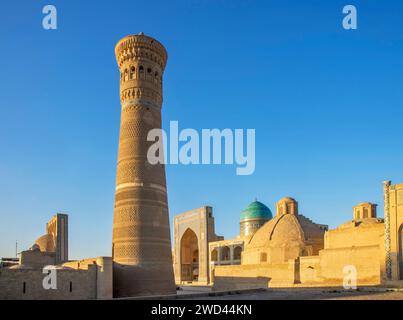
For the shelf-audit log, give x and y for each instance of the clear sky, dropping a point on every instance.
(326, 103)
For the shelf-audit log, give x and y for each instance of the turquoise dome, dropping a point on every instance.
(256, 210)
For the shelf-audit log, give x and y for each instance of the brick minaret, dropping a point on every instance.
(141, 246)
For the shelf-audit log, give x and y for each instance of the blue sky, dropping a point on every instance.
(326, 103)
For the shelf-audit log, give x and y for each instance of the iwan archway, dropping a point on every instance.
(193, 231)
(189, 256)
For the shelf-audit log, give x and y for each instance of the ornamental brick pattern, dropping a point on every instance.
(141, 247)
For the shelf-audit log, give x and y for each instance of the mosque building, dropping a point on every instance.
(289, 250)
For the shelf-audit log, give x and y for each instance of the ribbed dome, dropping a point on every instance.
(256, 210)
(286, 229)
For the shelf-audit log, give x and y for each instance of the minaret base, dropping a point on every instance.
(137, 280)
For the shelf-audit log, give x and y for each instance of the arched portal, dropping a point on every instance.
(237, 253)
(225, 253)
(189, 256)
(214, 255)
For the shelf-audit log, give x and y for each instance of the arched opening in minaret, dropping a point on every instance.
(132, 72)
(126, 75)
(189, 256)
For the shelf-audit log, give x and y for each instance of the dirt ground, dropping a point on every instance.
(312, 294)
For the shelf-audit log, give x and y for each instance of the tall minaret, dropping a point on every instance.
(141, 247)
